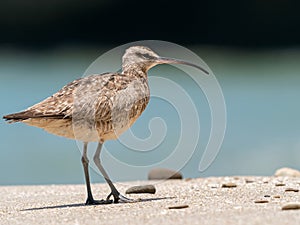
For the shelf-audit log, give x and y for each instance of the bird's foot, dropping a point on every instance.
(120, 198)
(91, 201)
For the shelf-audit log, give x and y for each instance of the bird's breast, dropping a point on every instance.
(126, 107)
(108, 115)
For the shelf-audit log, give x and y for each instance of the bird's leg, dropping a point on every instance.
(85, 162)
(114, 192)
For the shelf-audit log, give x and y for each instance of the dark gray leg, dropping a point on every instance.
(85, 162)
(114, 192)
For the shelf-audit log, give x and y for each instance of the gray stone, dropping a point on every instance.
(141, 189)
(261, 201)
(291, 206)
(279, 184)
(229, 185)
(291, 190)
(287, 172)
(162, 174)
(178, 207)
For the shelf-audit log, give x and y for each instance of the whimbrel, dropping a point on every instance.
(97, 108)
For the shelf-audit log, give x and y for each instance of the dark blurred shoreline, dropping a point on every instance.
(37, 24)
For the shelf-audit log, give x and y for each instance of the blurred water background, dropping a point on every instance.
(261, 90)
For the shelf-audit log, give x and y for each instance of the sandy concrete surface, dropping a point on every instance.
(213, 200)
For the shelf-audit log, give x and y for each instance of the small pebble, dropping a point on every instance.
(261, 201)
(279, 184)
(265, 180)
(276, 196)
(267, 196)
(248, 181)
(178, 207)
(141, 189)
(291, 206)
(229, 185)
(291, 189)
(213, 185)
(162, 174)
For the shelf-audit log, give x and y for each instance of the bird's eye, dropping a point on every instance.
(145, 56)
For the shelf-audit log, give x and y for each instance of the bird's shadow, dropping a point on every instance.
(82, 204)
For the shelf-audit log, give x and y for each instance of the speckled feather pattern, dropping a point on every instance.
(93, 108)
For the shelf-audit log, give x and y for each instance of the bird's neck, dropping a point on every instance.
(135, 70)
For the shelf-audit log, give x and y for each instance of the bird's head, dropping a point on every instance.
(145, 58)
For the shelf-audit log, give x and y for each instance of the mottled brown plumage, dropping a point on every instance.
(89, 106)
(98, 108)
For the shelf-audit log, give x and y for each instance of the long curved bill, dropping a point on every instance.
(164, 60)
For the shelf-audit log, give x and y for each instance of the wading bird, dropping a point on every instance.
(97, 108)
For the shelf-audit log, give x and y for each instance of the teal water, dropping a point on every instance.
(261, 90)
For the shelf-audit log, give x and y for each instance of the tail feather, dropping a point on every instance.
(24, 115)
(15, 117)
